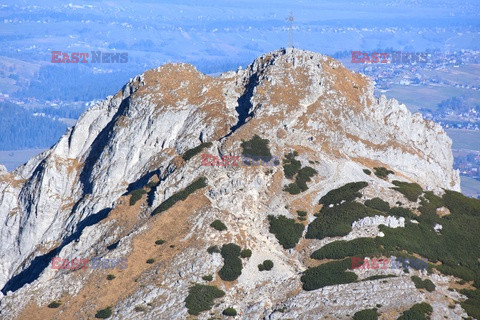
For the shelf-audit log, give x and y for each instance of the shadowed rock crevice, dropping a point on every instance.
(40, 263)
(98, 147)
(142, 181)
(245, 105)
(26, 195)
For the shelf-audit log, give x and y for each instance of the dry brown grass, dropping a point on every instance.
(370, 164)
(344, 82)
(10, 179)
(97, 292)
(173, 83)
(455, 285)
(391, 143)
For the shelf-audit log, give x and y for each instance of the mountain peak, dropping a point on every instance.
(75, 200)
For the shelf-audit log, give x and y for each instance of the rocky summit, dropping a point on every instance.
(249, 195)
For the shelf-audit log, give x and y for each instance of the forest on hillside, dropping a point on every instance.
(21, 129)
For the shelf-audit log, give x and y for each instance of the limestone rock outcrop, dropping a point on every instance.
(71, 201)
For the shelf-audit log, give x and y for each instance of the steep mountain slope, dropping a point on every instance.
(75, 200)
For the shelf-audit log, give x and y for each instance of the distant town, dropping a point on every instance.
(387, 74)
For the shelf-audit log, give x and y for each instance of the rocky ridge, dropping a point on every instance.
(72, 200)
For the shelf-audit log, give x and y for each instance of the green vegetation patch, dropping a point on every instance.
(337, 221)
(55, 304)
(293, 169)
(181, 195)
(379, 276)
(200, 298)
(302, 213)
(292, 188)
(232, 265)
(213, 249)
(382, 172)
(286, 230)
(208, 277)
(246, 253)
(110, 277)
(453, 250)
(136, 195)
(401, 212)
(229, 312)
(433, 199)
(457, 203)
(218, 225)
(303, 176)
(291, 165)
(348, 192)
(427, 209)
(410, 190)
(266, 265)
(342, 249)
(378, 204)
(104, 313)
(418, 311)
(367, 172)
(457, 246)
(160, 242)
(423, 284)
(472, 304)
(328, 274)
(367, 314)
(194, 151)
(256, 148)
(462, 272)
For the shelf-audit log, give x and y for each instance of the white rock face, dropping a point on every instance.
(437, 227)
(296, 99)
(389, 221)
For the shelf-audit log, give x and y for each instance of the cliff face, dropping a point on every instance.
(70, 201)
